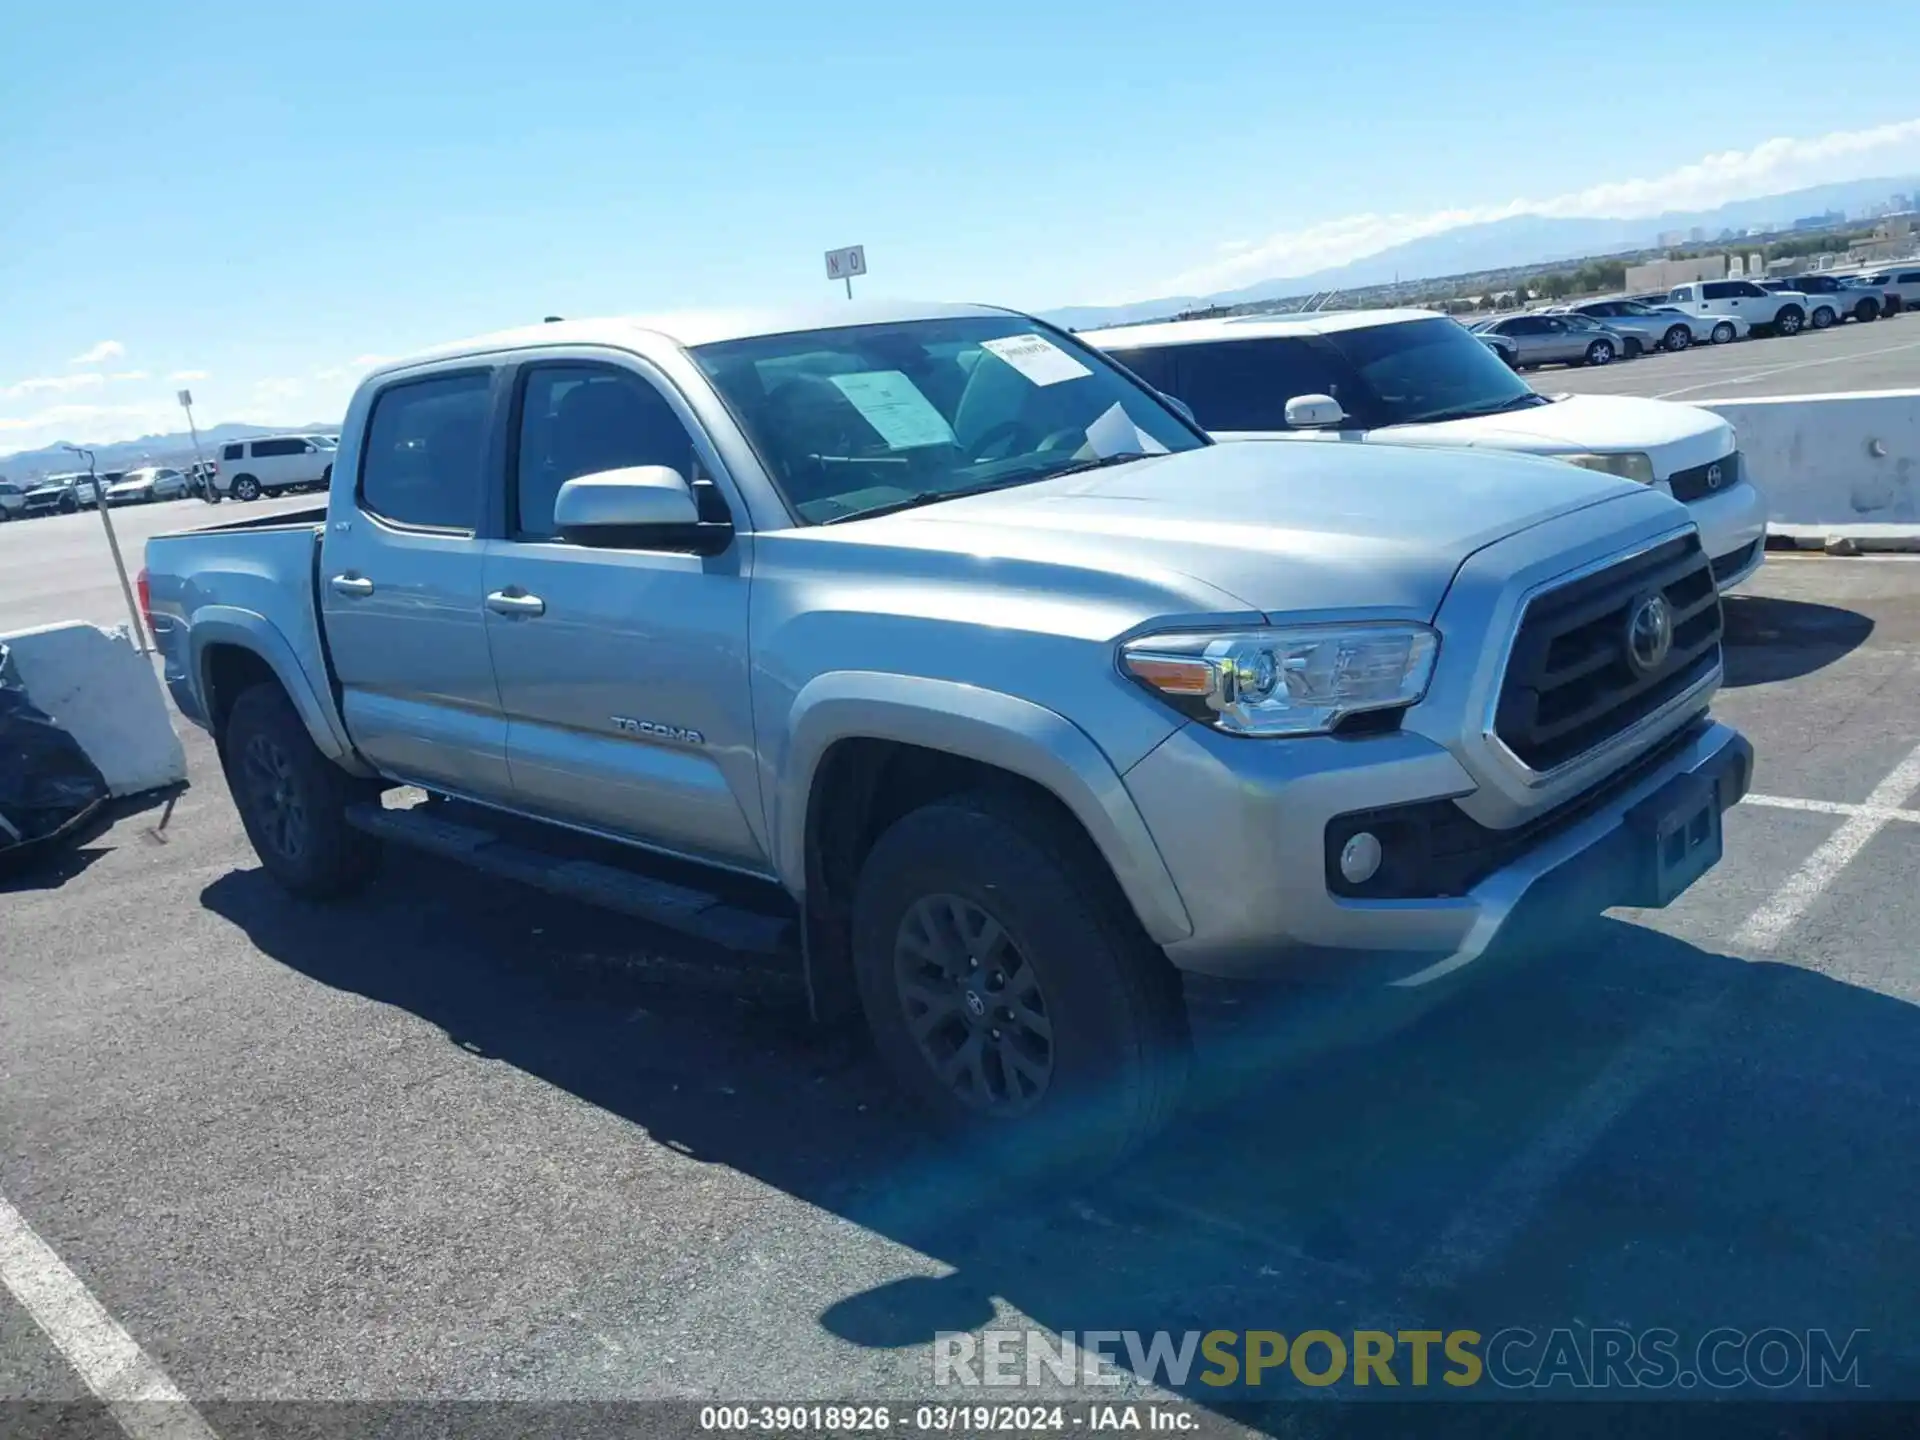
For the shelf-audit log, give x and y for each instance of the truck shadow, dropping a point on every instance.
(1629, 1131)
(1769, 638)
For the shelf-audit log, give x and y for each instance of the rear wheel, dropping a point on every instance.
(1790, 321)
(1678, 337)
(1009, 987)
(245, 487)
(293, 800)
(1722, 333)
(1600, 352)
(1823, 317)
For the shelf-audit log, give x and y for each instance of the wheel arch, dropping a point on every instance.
(234, 648)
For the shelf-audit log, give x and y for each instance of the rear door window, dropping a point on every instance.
(1153, 364)
(1245, 384)
(423, 463)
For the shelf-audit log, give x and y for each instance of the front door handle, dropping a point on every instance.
(504, 602)
(351, 585)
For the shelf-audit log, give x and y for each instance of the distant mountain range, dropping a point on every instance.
(1500, 244)
(174, 449)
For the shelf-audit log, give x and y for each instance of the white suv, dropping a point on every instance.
(271, 464)
(1782, 312)
(1411, 377)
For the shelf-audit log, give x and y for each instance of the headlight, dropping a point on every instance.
(1628, 464)
(1300, 680)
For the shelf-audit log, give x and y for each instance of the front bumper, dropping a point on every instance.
(1242, 826)
(1733, 531)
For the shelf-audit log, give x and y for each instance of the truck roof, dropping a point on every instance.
(1250, 327)
(694, 327)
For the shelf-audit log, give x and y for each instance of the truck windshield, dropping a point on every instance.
(854, 421)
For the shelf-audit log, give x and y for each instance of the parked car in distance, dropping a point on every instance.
(272, 465)
(1409, 377)
(60, 494)
(1830, 302)
(13, 499)
(1542, 339)
(1781, 312)
(1899, 283)
(1662, 326)
(1502, 345)
(148, 484)
(1015, 694)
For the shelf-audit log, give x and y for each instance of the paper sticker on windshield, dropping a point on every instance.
(896, 409)
(1114, 433)
(1037, 358)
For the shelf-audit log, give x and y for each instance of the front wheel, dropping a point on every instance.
(1823, 318)
(245, 487)
(293, 800)
(1790, 321)
(1679, 337)
(1865, 311)
(1600, 352)
(1009, 987)
(1722, 333)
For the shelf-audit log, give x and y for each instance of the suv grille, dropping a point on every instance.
(1576, 679)
(1703, 480)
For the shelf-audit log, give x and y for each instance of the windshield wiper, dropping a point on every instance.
(1100, 463)
(924, 497)
(1513, 402)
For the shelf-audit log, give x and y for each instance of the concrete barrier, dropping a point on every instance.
(103, 692)
(1833, 464)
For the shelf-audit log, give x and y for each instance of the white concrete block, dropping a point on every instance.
(1831, 460)
(103, 692)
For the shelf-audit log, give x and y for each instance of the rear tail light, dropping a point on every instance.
(145, 593)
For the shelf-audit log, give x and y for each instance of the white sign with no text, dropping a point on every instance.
(844, 264)
(185, 397)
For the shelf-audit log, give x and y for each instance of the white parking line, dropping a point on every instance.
(137, 1392)
(1782, 369)
(1766, 926)
(1831, 807)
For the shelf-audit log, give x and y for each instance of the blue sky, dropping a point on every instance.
(263, 195)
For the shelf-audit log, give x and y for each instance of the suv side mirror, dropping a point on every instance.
(639, 507)
(1314, 412)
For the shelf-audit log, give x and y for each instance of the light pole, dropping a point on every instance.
(210, 495)
(113, 544)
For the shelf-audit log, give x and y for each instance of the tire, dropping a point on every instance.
(1790, 320)
(1866, 312)
(1678, 337)
(1722, 334)
(245, 487)
(69, 505)
(326, 478)
(293, 800)
(1823, 317)
(1600, 352)
(1634, 349)
(1094, 1018)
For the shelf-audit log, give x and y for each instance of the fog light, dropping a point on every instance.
(1360, 858)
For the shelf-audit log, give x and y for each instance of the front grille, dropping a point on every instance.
(1571, 684)
(1701, 481)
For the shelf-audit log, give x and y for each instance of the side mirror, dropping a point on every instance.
(641, 507)
(1314, 412)
(1175, 403)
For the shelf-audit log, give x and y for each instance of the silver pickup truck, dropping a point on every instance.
(973, 652)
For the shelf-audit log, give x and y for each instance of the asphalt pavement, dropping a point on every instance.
(1882, 355)
(454, 1139)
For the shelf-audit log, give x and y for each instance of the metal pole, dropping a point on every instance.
(849, 287)
(113, 543)
(199, 460)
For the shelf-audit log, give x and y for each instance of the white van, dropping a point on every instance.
(1413, 377)
(272, 464)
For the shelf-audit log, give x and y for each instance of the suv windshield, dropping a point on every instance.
(854, 421)
(1426, 370)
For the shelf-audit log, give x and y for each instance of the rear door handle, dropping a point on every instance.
(503, 602)
(351, 585)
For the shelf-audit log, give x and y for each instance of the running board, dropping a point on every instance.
(687, 911)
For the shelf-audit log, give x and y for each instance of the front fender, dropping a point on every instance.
(215, 625)
(986, 726)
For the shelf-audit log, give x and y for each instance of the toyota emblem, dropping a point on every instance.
(1713, 477)
(1649, 634)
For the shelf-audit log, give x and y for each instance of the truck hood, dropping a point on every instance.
(1676, 436)
(1275, 528)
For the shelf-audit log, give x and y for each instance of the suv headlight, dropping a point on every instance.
(1627, 464)
(1288, 680)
